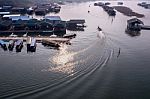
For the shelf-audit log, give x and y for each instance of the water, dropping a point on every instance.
(90, 68)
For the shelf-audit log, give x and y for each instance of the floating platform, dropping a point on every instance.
(38, 39)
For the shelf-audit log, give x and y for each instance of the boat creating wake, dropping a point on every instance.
(69, 74)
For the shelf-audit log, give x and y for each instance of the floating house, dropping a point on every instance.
(75, 23)
(99, 4)
(45, 26)
(5, 25)
(107, 3)
(134, 24)
(18, 25)
(40, 11)
(60, 29)
(30, 11)
(53, 19)
(33, 24)
(109, 10)
(18, 10)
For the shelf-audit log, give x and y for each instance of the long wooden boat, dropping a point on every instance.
(19, 45)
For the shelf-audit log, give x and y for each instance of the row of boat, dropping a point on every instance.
(18, 44)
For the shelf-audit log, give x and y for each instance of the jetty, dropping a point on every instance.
(145, 27)
(38, 39)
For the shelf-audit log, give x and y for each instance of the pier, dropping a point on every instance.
(145, 27)
(38, 39)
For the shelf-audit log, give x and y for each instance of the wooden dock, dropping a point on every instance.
(38, 39)
(145, 27)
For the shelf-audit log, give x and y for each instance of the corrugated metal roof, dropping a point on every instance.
(7, 16)
(76, 21)
(4, 13)
(53, 18)
(15, 18)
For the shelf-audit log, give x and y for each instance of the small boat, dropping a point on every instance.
(120, 3)
(12, 35)
(53, 36)
(99, 29)
(3, 45)
(73, 35)
(28, 42)
(11, 45)
(50, 43)
(33, 45)
(19, 45)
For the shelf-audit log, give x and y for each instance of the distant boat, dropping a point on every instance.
(53, 36)
(11, 45)
(99, 29)
(3, 45)
(69, 35)
(28, 42)
(13, 35)
(19, 45)
(120, 3)
(33, 45)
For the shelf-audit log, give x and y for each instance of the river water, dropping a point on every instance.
(108, 65)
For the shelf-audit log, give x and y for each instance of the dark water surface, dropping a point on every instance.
(90, 68)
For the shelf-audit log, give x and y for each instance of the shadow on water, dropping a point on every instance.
(133, 33)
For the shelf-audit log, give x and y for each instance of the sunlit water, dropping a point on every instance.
(90, 68)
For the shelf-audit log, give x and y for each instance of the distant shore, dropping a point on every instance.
(127, 11)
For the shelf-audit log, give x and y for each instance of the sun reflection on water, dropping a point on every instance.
(63, 61)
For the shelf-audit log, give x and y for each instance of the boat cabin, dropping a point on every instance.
(134, 24)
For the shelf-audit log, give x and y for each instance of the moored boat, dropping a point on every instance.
(33, 45)
(50, 43)
(19, 45)
(11, 45)
(28, 42)
(73, 35)
(3, 45)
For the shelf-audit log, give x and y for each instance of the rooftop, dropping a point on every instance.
(54, 18)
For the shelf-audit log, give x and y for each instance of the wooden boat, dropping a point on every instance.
(11, 45)
(3, 45)
(33, 45)
(28, 42)
(50, 43)
(73, 35)
(19, 45)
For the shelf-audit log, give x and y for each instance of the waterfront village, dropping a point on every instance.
(18, 26)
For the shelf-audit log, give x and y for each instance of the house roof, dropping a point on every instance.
(8, 16)
(76, 21)
(135, 20)
(15, 18)
(4, 13)
(53, 18)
